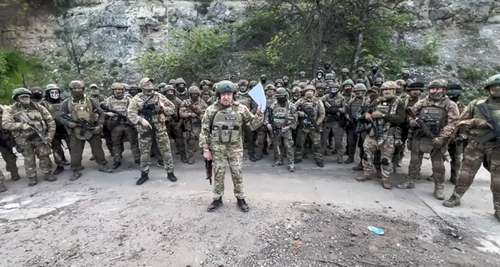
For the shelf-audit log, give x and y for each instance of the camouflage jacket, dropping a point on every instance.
(191, 113)
(319, 108)
(159, 114)
(449, 107)
(42, 124)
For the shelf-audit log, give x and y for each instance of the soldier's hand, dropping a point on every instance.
(301, 114)
(269, 127)
(259, 112)
(377, 115)
(145, 123)
(413, 123)
(110, 114)
(368, 117)
(207, 154)
(438, 141)
(98, 129)
(25, 127)
(285, 129)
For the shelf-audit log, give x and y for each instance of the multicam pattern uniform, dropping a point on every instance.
(7, 144)
(31, 144)
(282, 119)
(158, 124)
(221, 132)
(310, 127)
(334, 122)
(191, 114)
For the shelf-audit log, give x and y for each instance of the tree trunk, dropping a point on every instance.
(359, 48)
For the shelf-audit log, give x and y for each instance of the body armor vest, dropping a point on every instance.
(309, 107)
(280, 116)
(332, 106)
(82, 111)
(245, 100)
(356, 105)
(434, 118)
(226, 126)
(494, 110)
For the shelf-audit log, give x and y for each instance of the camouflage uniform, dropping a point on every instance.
(311, 115)
(386, 115)
(120, 127)
(456, 145)
(361, 75)
(97, 97)
(433, 117)
(7, 143)
(191, 112)
(481, 122)
(33, 129)
(248, 135)
(353, 113)
(148, 111)
(334, 122)
(376, 73)
(206, 92)
(261, 134)
(83, 120)
(221, 135)
(281, 119)
(344, 75)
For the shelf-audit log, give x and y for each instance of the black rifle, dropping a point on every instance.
(209, 168)
(40, 132)
(495, 134)
(80, 123)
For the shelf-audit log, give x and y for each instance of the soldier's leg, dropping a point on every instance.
(96, 148)
(116, 139)
(43, 153)
(58, 152)
(455, 149)
(261, 135)
(278, 157)
(10, 162)
(438, 172)
(145, 144)
(29, 156)
(299, 148)
(134, 144)
(165, 150)
(495, 180)
(249, 139)
(325, 135)
(316, 142)
(234, 160)
(370, 147)
(288, 142)
(179, 142)
(3, 188)
(351, 144)
(338, 135)
(219, 165)
(76, 152)
(386, 153)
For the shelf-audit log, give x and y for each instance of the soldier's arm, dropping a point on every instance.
(321, 113)
(168, 107)
(49, 121)
(398, 117)
(253, 121)
(96, 108)
(453, 115)
(133, 111)
(8, 122)
(63, 111)
(294, 117)
(415, 109)
(204, 142)
(184, 111)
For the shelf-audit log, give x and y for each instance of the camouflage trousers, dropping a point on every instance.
(352, 140)
(302, 135)
(32, 151)
(417, 154)
(10, 160)
(474, 155)
(145, 145)
(386, 148)
(118, 133)
(231, 155)
(175, 130)
(456, 150)
(338, 136)
(58, 151)
(2, 177)
(77, 146)
(283, 140)
(191, 140)
(260, 142)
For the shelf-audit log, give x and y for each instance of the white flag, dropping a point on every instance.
(258, 95)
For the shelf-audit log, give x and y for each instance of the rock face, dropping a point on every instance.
(121, 30)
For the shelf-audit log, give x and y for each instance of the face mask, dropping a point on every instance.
(181, 88)
(309, 94)
(359, 94)
(195, 97)
(495, 91)
(243, 89)
(54, 94)
(281, 99)
(118, 94)
(77, 93)
(37, 96)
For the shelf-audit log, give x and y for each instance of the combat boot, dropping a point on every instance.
(190, 161)
(58, 170)
(216, 203)
(14, 176)
(340, 159)
(358, 167)
(453, 178)
(75, 176)
(386, 183)
(277, 163)
(105, 168)
(297, 161)
(453, 201)
(161, 164)
(49, 177)
(439, 191)
(291, 168)
(171, 177)
(143, 179)
(410, 184)
(320, 163)
(116, 164)
(3, 188)
(32, 181)
(349, 160)
(242, 204)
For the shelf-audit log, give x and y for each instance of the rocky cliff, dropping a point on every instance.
(121, 30)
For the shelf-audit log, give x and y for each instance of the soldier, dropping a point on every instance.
(456, 145)
(191, 111)
(376, 73)
(302, 77)
(347, 86)
(286, 82)
(386, 115)
(7, 144)
(311, 115)
(296, 94)
(261, 134)
(174, 125)
(120, 127)
(244, 98)
(36, 95)
(344, 75)
(180, 88)
(221, 140)
(335, 121)
(53, 103)
(353, 115)
(280, 121)
(432, 119)
(83, 120)
(414, 92)
(405, 75)
(148, 112)
(95, 93)
(320, 89)
(263, 79)
(133, 90)
(206, 92)
(33, 129)
(361, 75)
(378, 82)
(481, 121)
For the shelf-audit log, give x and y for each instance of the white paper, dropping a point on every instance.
(258, 95)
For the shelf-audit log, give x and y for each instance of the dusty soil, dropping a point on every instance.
(314, 217)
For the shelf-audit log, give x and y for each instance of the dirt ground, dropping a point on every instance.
(313, 217)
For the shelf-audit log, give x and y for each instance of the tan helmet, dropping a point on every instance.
(359, 87)
(389, 85)
(439, 83)
(76, 84)
(194, 90)
(146, 82)
(310, 87)
(115, 86)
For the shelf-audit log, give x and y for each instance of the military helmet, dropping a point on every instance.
(302, 85)
(285, 78)
(161, 85)
(347, 82)
(344, 70)
(360, 69)
(310, 87)
(295, 90)
(492, 81)
(359, 87)
(242, 83)
(169, 87)
(225, 87)
(194, 90)
(389, 85)
(252, 83)
(171, 81)
(360, 81)
(93, 86)
(270, 87)
(143, 82)
(401, 83)
(20, 91)
(36, 89)
(405, 71)
(330, 76)
(76, 84)
(52, 86)
(116, 86)
(378, 81)
(415, 85)
(205, 82)
(281, 92)
(438, 83)
(179, 81)
(278, 81)
(263, 76)
(455, 86)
